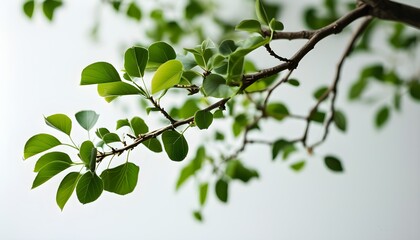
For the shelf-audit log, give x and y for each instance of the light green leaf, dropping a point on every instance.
(175, 145)
(215, 85)
(277, 110)
(28, 8)
(85, 152)
(60, 122)
(87, 119)
(49, 7)
(122, 179)
(249, 25)
(51, 157)
(49, 171)
(298, 166)
(203, 119)
(135, 61)
(159, 52)
(115, 89)
(66, 188)
(261, 13)
(221, 188)
(193, 166)
(167, 75)
(276, 25)
(89, 187)
(203, 193)
(333, 163)
(39, 143)
(99, 72)
(340, 120)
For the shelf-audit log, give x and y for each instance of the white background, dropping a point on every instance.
(378, 196)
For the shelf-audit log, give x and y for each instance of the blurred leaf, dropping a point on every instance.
(340, 120)
(287, 150)
(318, 117)
(167, 75)
(189, 108)
(49, 171)
(122, 179)
(190, 169)
(99, 72)
(66, 188)
(333, 163)
(357, 89)
(397, 101)
(382, 116)
(221, 188)
(89, 187)
(414, 90)
(135, 61)
(215, 85)
(375, 71)
(320, 92)
(277, 110)
(87, 119)
(249, 25)
(60, 122)
(39, 143)
(279, 146)
(175, 145)
(134, 11)
(51, 157)
(28, 8)
(293, 82)
(203, 193)
(236, 170)
(276, 25)
(218, 113)
(227, 47)
(194, 9)
(198, 216)
(203, 119)
(298, 166)
(265, 12)
(49, 7)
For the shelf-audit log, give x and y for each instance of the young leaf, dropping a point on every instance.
(203, 193)
(101, 132)
(66, 188)
(87, 119)
(221, 188)
(89, 187)
(333, 163)
(49, 7)
(249, 25)
(340, 120)
(122, 179)
(51, 157)
(175, 145)
(99, 72)
(276, 25)
(115, 89)
(167, 75)
(85, 152)
(198, 216)
(261, 13)
(60, 122)
(382, 116)
(39, 143)
(215, 85)
(159, 52)
(28, 8)
(135, 61)
(298, 166)
(203, 119)
(121, 123)
(133, 11)
(49, 171)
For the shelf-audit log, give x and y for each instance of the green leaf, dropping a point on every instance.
(221, 188)
(298, 166)
(261, 13)
(175, 145)
(60, 122)
(215, 85)
(87, 119)
(134, 11)
(138, 126)
(49, 7)
(92, 160)
(51, 157)
(159, 52)
(194, 9)
(122, 179)
(397, 101)
(250, 25)
(203, 193)
(414, 90)
(357, 89)
(279, 146)
(85, 152)
(101, 132)
(135, 61)
(167, 75)
(198, 216)
(153, 145)
(227, 47)
(66, 188)
(293, 82)
(287, 150)
(190, 169)
(49, 171)
(320, 92)
(318, 117)
(375, 71)
(333, 163)
(203, 119)
(277, 110)
(99, 72)
(382, 116)
(28, 8)
(276, 25)
(121, 123)
(89, 187)
(218, 113)
(236, 170)
(340, 120)
(111, 137)
(39, 143)
(189, 108)
(115, 89)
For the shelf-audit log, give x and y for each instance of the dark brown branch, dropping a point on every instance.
(163, 111)
(272, 53)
